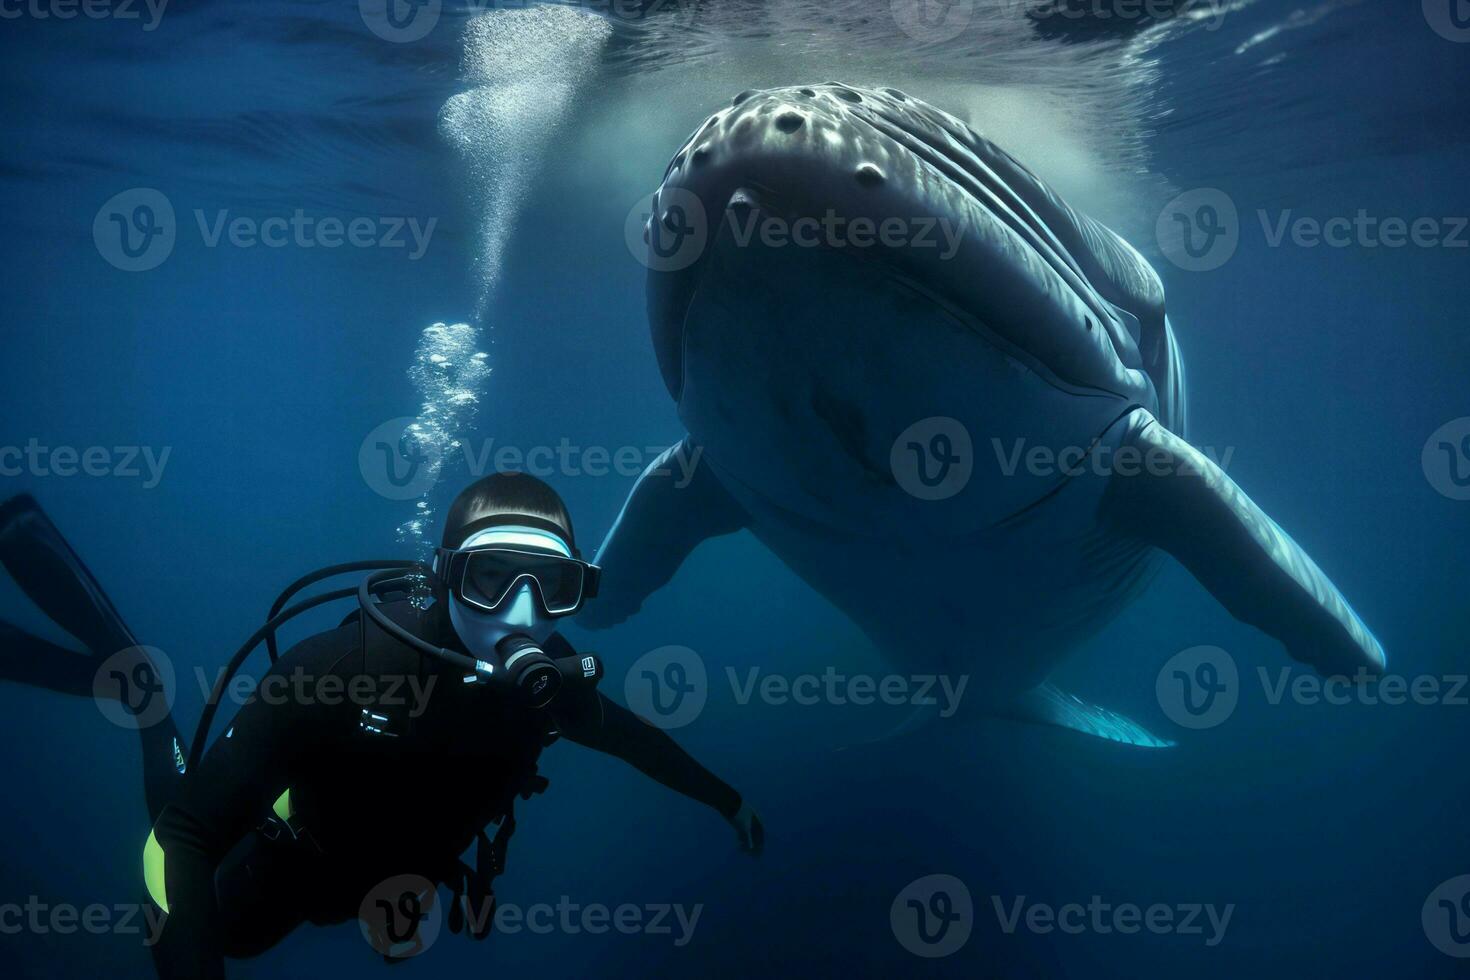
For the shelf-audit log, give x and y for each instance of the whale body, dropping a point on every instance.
(947, 400)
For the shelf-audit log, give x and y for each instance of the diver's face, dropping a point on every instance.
(520, 612)
(481, 631)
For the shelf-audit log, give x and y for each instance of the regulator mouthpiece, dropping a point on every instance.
(530, 672)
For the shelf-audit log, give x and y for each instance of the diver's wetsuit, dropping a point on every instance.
(402, 791)
(407, 799)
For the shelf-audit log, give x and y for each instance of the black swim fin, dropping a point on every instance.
(27, 659)
(54, 577)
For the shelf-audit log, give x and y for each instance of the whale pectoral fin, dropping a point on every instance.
(1047, 704)
(676, 504)
(1183, 503)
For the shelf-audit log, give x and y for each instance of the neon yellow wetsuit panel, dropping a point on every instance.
(153, 856)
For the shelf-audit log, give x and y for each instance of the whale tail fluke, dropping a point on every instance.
(1045, 704)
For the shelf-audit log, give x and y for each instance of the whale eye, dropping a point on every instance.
(869, 176)
(743, 96)
(847, 95)
(896, 94)
(806, 92)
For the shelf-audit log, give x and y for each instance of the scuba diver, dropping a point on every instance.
(307, 804)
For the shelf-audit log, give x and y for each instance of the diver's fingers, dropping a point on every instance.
(749, 833)
(757, 841)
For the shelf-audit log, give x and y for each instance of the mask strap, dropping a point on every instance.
(513, 535)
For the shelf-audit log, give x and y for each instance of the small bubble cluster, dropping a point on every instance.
(448, 374)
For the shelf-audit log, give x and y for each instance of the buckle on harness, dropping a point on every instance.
(377, 723)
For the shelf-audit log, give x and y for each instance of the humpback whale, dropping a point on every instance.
(867, 397)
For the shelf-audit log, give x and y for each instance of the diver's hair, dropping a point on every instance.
(499, 499)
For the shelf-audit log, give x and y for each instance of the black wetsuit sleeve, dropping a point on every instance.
(229, 794)
(599, 723)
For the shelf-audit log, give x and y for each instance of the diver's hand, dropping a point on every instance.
(748, 830)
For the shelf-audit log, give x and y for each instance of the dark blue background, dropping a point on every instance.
(263, 370)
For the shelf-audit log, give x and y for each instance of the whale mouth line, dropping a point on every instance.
(1066, 478)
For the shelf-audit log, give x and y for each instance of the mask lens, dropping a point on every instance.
(490, 575)
(561, 584)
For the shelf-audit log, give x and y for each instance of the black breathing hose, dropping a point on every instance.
(369, 565)
(275, 622)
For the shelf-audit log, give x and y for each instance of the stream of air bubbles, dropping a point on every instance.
(525, 69)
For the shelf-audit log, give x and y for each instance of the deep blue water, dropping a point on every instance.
(261, 370)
